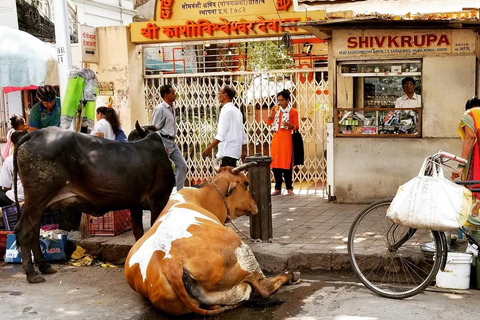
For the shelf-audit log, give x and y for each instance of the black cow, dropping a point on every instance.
(60, 168)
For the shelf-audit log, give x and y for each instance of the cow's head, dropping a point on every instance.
(141, 132)
(237, 197)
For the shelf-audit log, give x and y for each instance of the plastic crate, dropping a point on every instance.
(10, 217)
(111, 224)
(3, 243)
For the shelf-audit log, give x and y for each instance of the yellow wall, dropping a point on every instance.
(120, 62)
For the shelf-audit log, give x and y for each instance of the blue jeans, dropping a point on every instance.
(176, 156)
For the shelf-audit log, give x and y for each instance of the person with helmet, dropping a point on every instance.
(45, 113)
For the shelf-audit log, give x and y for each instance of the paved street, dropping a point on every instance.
(96, 293)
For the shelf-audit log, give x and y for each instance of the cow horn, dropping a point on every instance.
(139, 129)
(243, 167)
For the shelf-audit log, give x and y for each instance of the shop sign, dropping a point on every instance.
(89, 44)
(407, 42)
(218, 19)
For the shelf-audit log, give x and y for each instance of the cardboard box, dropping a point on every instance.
(52, 249)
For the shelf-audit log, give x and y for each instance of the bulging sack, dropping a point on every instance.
(431, 202)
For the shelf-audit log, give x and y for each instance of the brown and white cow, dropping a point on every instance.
(190, 262)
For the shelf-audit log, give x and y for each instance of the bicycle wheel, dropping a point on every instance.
(392, 260)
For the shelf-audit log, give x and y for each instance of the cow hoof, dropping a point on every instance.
(35, 278)
(295, 277)
(49, 270)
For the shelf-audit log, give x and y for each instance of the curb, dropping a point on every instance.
(272, 258)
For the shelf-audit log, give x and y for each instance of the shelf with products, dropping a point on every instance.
(389, 68)
(379, 98)
(378, 122)
(383, 91)
(383, 74)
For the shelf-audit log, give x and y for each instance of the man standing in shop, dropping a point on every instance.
(410, 99)
(164, 119)
(231, 137)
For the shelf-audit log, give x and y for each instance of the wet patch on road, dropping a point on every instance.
(12, 293)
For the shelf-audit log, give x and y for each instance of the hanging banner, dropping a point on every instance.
(219, 19)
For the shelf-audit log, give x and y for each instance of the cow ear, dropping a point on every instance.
(231, 187)
(140, 130)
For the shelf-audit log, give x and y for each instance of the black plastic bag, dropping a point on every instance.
(298, 152)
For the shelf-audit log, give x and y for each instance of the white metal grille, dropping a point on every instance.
(197, 108)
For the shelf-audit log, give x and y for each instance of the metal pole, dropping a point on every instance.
(260, 187)
(62, 39)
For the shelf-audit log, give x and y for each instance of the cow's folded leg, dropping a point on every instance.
(218, 308)
(265, 287)
(295, 277)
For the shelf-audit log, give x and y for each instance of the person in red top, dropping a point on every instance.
(283, 120)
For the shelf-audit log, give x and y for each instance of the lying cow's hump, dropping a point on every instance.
(171, 226)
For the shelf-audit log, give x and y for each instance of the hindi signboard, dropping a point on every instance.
(89, 44)
(220, 19)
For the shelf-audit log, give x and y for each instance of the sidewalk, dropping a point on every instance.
(309, 233)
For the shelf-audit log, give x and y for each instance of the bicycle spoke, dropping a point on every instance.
(387, 257)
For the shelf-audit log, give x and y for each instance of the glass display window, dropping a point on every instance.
(379, 98)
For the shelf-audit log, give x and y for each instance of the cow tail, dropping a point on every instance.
(176, 275)
(15, 171)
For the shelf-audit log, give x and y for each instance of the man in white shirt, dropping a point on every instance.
(231, 137)
(410, 99)
(7, 195)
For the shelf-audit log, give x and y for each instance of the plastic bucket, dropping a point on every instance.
(457, 271)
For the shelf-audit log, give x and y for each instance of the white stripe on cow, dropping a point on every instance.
(174, 225)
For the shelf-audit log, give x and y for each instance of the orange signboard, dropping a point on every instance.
(219, 19)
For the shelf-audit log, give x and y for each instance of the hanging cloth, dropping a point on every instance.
(80, 97)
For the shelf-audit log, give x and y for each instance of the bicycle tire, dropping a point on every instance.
(389, 272)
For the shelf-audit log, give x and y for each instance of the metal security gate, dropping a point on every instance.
(197, 109)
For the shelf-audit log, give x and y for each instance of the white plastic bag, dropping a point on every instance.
(431, 202)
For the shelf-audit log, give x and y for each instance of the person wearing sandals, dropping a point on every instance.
(283, 120)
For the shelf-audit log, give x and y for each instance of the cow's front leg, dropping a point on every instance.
(136, 215)
(265, 287)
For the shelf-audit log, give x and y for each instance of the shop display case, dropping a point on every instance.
(366, 95)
